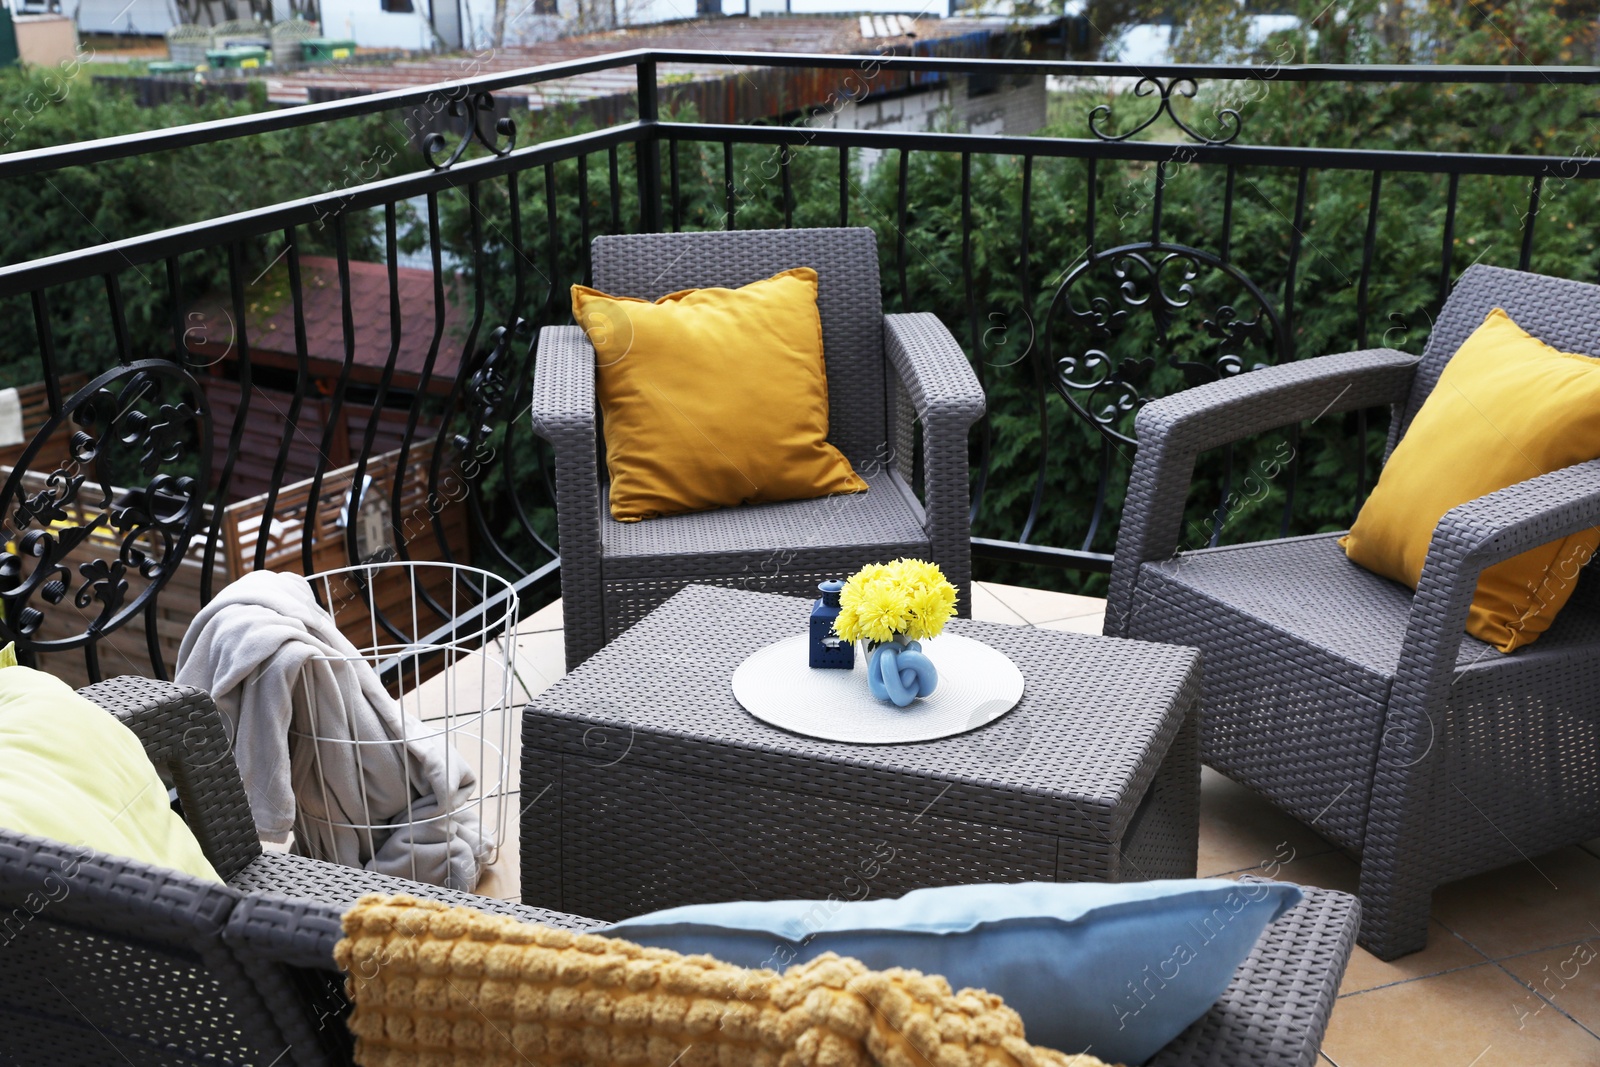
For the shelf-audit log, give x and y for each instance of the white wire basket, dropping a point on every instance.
(452, 688)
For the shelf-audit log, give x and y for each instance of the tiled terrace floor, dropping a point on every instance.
(1511, 975)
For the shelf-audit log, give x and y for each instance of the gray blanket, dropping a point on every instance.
(271, 657)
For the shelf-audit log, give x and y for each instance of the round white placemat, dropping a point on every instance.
(977, 685)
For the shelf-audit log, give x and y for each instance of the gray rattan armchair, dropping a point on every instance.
(1348, 701)
(884, 373)
(101, 956)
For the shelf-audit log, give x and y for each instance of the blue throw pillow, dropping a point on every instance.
(1116, 971)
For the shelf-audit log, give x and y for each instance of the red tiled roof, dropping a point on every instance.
(270, 321)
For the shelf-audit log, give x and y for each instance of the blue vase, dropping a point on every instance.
(899, 672)
(828, 650)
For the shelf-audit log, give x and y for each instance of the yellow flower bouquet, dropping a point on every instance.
(891, 608)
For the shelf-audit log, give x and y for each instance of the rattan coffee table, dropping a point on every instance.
(645, 785)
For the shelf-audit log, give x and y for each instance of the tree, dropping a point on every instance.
(85, 206)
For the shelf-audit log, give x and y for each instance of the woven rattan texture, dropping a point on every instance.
(1277, 1007)
(105, 960)
(1349, 701)
(1174, 430)
(884, 515)
(772, 548)
(306, 879)
(183, 733)
(947, 400)
(564, 414)
(613, 574)
(653, 787)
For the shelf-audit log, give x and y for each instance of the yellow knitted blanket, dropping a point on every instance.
(440, 986)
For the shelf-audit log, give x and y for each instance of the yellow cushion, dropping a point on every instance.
(71, 772)
(713, 397)
(1507, 408)
(448, 986)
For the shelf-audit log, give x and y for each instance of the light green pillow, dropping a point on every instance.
(71, 772)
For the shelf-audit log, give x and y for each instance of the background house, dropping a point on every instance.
(275, 368)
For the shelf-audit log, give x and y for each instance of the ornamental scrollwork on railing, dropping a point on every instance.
(489, 390)
(1132, 323)
(470, 108)
(493, 396)
(1228, 119)
(71, 534)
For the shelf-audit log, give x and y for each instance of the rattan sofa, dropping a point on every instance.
(1348, 701)
(101, 955)
(104, 960)
(885, 372)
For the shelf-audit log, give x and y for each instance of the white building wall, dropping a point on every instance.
(149, 17)
(1009, 109)
(369, 26)
(120, 16)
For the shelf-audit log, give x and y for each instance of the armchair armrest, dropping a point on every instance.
(564, 415)
(1173, 431)
(182, 730)
(1410, 764)
(947, 398)
(1286, 988)
(1475, 536)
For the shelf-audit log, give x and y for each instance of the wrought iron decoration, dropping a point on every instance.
(152, 409)
(470, 107)
(1229, 119)
(1158, 281)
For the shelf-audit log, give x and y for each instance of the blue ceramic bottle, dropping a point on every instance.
(827, 649)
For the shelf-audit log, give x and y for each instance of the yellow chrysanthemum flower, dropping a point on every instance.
(884, 610)
(931, 608)
(906, 596)
(919, 573)
(846, 624)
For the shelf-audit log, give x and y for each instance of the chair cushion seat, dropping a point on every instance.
(884, 515)
(1301, 649)
(1306, 588)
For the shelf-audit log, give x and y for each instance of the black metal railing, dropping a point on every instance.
(274, 402)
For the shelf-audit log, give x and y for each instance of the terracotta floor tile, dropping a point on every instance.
(477, 679)
(1552, 900)
(492, 746)
(1461, 1019)
(541, 659)
(1239, 830)
(1330, 870)
(503, 878)
(1567, 977)
(1044, 605)
(1445, 952)
(546, 618)
(986, 607)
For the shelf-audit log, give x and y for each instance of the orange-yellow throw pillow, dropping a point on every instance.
(713, 397)
(1507, 408)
